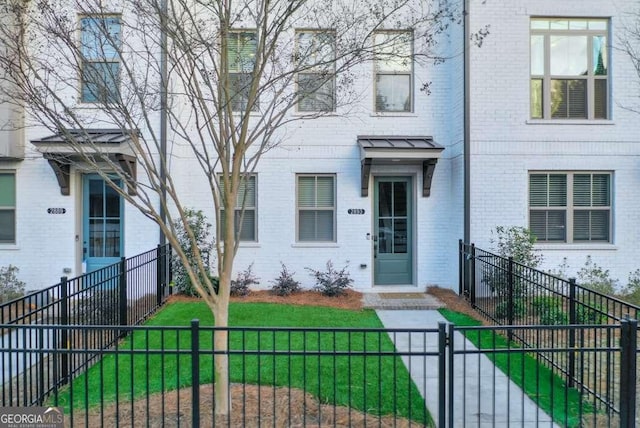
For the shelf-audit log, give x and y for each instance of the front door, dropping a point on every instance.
(102, 223)
(393, 245)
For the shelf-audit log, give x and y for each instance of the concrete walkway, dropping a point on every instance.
(483, 395)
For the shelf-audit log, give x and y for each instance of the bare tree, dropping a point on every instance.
(222, 77)
(629, 43)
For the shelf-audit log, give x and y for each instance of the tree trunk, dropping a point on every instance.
(222, 400)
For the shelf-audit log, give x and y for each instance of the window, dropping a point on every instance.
(569, 69)
(240, 62)
(393, 71)
(7, 208)
(100, 40)
(570, 207)
(316, 208)
(316, 79)
(244, 222)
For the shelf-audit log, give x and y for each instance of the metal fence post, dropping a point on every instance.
(472, 275)
(442, 377)
(460, 267)
(451, 375)
(64, 321)
(159, 274)
(169, 279)
(572, 333)
(123, 293)
(195, 373)
(628, 375)
(510, 284)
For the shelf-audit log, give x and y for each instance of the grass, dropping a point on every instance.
(543, 386)
(378, 385)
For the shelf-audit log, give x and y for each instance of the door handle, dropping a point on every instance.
(375, 251)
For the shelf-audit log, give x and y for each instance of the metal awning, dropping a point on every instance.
(99, 145)
(398, 149)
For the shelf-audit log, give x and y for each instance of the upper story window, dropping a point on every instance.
(569, 68)
(570, 207)
(240, 62)
(316, 80)
(7, 208)
(393, 71)
(316, 206)
(245, 217)
(100, 38)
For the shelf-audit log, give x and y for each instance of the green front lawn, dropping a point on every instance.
(376, 384)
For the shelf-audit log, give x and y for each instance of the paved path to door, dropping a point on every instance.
(483, 395)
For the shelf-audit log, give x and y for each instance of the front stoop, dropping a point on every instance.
(400, 301)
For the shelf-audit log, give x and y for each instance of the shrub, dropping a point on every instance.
(631, 293)
(331, 282)
(519, 309)
(99, 308)
(241, 285)
(202, 233)
(10, 286)
(284, 284)
(596, 278)
(592, 314)
(553, 316)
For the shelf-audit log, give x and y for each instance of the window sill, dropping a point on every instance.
(315, 245)
(249, 244)
(393, 114)
(9, 247)
(599, 246)
(569, 122)
(314, 114)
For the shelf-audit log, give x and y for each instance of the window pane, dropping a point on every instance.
(239, 87)
(385, 236)
(100, 81)
(315, 225)
(96, 194)
(316, 49)
(591, 225)
(595, 24)
(601, 192)
(100, 37)
(400, 236)
(537, 55)
(557, 190)
(536, 98)
(538, 190)
(242, 51)
(325, 197)
(324, 231)
(393, 52)
(306, 192)
(559, 24)
(568, 56)
(7, 226)
(112, 202)
(112, 238)
(569, 99)
(248, 226)
(96, 238)
(600, 99)
(393, 93)
(400, 199)
(600, 55)
(247, 193)
(539, 24)
(316, 92)
(582, 190)
(384, 199)
(307, 226)
(556, 226)
(7, 190)
(577, 25)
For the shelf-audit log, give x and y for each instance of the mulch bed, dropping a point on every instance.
(455, 302)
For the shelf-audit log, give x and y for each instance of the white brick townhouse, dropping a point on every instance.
(530, 129)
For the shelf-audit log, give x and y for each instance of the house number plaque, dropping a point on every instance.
(56, 210)
(356, 211)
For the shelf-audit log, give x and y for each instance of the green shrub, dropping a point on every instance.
(10, 286)
(241, 286)
(201, 230)
(554, 316)
(596, 278)
(631, 292)
(592, 314)
(99, 308)
(331, 282)
(519, 309)
(285, 284)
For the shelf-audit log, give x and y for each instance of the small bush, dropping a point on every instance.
(10, 286)
(240, 286)
(331, 282)
(631, 293)
(284, 284)
(201, 230)
(589, 315)
(519, 309)
(596, 278)
(554, 316)
(543, 303)
(99, 308)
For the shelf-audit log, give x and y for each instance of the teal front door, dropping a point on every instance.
(102, 223)
(393, 259)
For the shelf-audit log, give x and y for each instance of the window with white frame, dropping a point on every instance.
(241, 56)
(245, 221)
(569, 68)
(393, 71)
(7, 207)
(316, 208)
(570, 207)
(100, 39)
(316, 80)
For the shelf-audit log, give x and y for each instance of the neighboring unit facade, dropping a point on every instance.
(381, 187)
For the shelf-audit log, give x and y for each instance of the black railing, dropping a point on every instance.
(511, 294)
(122, 294)
(161, 376)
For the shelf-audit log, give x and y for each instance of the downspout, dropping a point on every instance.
(163, 117)
(467, 129)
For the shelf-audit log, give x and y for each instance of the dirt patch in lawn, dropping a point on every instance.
(455, 302)
(350, 300)
(252, 406)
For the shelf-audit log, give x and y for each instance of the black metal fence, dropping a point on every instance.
(122, 294)
(162, 376)
(509, 293)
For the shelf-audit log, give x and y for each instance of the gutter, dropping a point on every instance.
(163, 118)
(467, 127)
